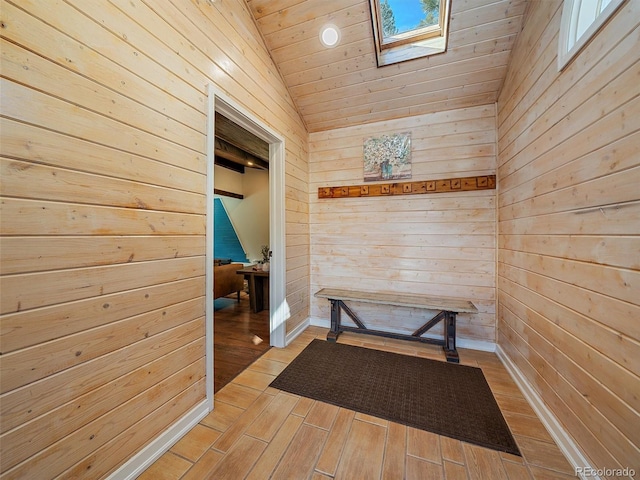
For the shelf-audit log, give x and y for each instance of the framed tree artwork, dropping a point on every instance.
(387, 157)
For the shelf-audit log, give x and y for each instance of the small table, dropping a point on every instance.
(258, 281)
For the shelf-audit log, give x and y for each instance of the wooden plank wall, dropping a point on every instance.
(328, 84)
(569, 217)
(103, 218)
(440, 244)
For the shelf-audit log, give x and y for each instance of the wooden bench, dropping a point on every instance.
(448, 309)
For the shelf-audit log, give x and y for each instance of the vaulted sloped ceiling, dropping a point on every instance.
(342, 86)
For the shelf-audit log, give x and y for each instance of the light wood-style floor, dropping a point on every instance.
(257, 432)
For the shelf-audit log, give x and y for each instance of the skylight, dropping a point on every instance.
(407, 29)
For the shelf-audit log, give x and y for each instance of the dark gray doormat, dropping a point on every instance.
(444, 398)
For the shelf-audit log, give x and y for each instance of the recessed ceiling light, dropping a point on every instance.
(329, 35)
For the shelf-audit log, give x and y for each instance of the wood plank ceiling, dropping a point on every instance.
(342, 86)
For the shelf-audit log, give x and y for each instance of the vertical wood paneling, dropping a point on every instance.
(102, 158)
(569, 242)
(442, 244)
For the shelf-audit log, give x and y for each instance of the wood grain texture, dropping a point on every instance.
(103, 198)
(436, 245)
(102, 157)
(321, 441)
(327, 84)
(411, 301)
(568, 240)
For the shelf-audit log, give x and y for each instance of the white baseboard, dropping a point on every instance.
(301, 327)
(149, 454)
(319, 322)
(566, 444)
(460, 342)
(481, 345)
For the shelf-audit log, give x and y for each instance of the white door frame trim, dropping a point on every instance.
(218, 101)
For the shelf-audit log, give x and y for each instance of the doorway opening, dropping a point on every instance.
(241, 244)
(220, 106)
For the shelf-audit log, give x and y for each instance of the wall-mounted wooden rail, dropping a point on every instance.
(463, 184)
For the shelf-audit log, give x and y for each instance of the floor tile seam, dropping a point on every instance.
(324, 444)
(513, 412)
(548, 442)
(215, 400)
(243, 431)
(252, 388)
(529, 463)
(263, 390)
(551, 469)
(469, 464)
(311, 404)
(451, 460)
(346, 437)
(286, 448)
(220, 431)
(328, 429)
(192, 467)
(268, 440)
(532, 465)
(269, 360)
(426, 459)
(190, 460)
(299, 415)
(375, 423)
(276, 432)
(386, 444)
(524, 464)
(225, 453)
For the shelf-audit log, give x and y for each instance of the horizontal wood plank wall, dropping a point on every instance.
(103, 166)
(569, 229)
(440, 244)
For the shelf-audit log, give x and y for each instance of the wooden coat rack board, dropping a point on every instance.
(464, 184)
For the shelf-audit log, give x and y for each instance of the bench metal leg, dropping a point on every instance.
(448, 320)
(332, 336)
(429, 324)
(337, 306)
(352, 315)
(450, 337)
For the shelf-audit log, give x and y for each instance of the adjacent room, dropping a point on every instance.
(241, 328)
(252, 239)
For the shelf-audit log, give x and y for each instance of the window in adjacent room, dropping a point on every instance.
(408, 29)
(581, 19)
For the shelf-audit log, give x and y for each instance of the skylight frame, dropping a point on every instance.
(411, 36)
(431, 40)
